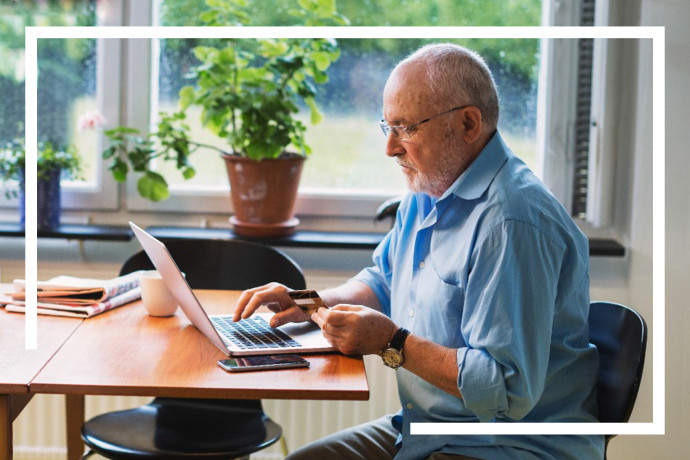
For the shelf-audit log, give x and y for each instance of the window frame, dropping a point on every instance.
(558, 89)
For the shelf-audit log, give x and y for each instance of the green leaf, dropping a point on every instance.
(188, 172)
(326, 8)
(202, 52)
(273, 48)
(153, 186)
(322, 60)
(340, 20)
(316, 116)
(109, 152)
(226, 55)
(320, 78)
(208, 16)
(187, 97)
(119, 170)
(121, 130)
(309, 5)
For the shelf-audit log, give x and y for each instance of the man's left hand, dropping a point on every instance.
(355, 329)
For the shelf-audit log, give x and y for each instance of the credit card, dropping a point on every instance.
(308, 300)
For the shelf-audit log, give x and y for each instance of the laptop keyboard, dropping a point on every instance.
(253, 333)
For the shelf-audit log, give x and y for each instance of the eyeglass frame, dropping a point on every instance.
(387, 129)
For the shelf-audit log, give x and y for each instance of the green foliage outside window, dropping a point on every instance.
(513, 61)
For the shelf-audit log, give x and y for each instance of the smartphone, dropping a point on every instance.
(262, 363)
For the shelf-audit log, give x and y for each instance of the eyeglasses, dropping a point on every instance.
(405, 133)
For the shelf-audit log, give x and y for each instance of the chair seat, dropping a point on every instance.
(182, 429)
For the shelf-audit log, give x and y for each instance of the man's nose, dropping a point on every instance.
(394, 146)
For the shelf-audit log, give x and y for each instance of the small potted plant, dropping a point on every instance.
(250, 91)
(52, 164)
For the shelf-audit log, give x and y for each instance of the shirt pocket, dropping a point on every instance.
(439, 309)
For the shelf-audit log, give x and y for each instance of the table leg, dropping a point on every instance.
(10, 408)
(5, 428)
(74, 409)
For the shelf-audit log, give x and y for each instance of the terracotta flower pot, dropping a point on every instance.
(263, 194)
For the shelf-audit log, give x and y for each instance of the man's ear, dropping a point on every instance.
(472, 122)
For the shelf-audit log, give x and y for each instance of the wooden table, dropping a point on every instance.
(126, 352)
(19, 366)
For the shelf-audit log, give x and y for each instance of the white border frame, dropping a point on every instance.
(656, 34)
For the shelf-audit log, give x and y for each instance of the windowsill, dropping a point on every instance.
(598, 247)
(73, 232)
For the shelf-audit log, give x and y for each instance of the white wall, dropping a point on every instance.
(673, 14)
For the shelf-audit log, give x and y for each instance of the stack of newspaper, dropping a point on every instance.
(76, 297)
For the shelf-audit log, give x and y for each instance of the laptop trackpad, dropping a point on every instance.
(307, 333)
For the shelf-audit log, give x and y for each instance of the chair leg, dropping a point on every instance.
(87, 453)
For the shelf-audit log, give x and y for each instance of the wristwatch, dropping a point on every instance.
(392, 355)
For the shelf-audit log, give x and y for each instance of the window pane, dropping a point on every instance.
(67, 75)
(66, 90)
(348, 147)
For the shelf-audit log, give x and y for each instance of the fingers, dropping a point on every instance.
(338, 316)
(292, 314)
(275, 297)
(354, 329)
(274, 294)
(320, 317)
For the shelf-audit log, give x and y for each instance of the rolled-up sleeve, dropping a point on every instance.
(379, 276)
(507, 322)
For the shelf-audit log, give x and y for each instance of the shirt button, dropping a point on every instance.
(421, 264)
(411, 313)
(409, 406)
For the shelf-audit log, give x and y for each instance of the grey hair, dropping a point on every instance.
(458, 74)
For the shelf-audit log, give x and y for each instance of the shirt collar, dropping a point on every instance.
(471, 184)
(474, 181)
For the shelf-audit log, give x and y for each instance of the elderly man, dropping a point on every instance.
(478, 296)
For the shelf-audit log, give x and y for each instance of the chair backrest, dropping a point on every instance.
(225, 264)
(620, 335)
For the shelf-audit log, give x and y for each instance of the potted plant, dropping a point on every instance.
(52, 164)
(249, 91)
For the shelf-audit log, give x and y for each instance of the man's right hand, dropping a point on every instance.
(275, 297)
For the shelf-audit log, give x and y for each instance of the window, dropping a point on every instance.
(348, 160)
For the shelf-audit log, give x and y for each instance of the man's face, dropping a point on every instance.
(431, 159)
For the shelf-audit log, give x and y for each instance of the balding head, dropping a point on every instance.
(456, 76)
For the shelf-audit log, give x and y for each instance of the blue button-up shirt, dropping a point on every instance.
(496, 269)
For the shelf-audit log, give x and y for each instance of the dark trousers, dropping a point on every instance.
(374, 440)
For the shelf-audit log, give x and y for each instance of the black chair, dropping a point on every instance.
(620, 335)
(225, 264)
(170, 428)
(388, 209)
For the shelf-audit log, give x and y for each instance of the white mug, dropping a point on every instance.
(155, 295)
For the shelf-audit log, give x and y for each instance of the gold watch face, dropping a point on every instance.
(392, 358)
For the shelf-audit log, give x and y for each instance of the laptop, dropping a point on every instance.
(248, 337)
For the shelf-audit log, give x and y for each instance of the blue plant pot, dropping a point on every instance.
(48, 197)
